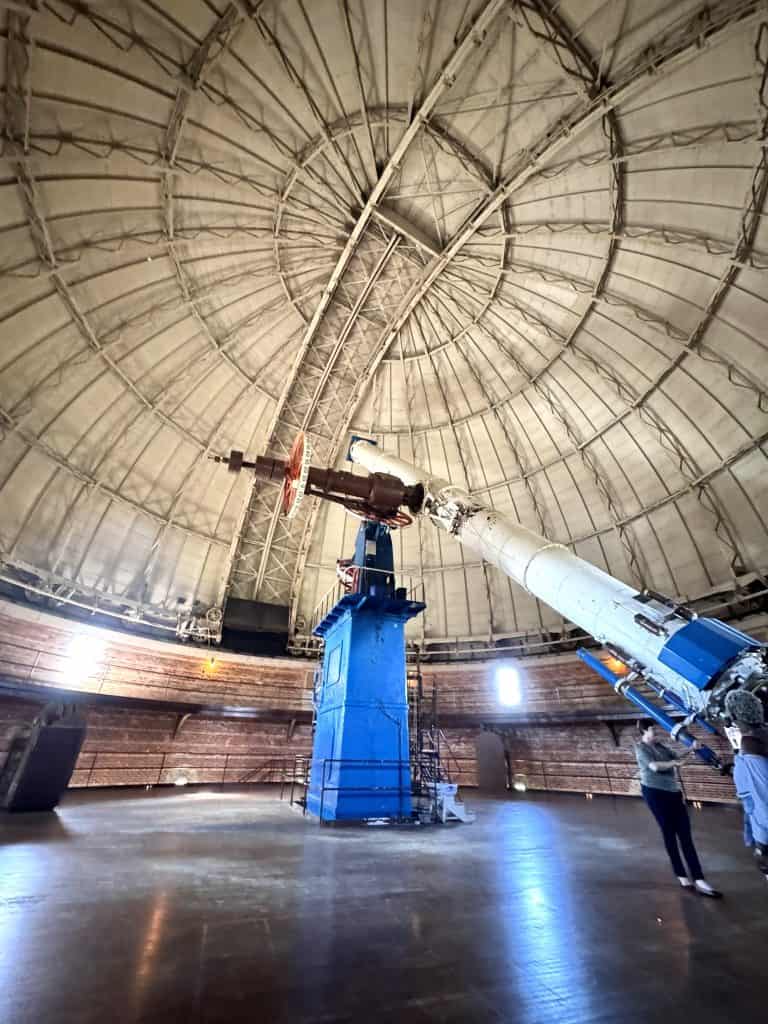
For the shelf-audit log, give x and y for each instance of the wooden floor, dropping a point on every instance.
(204, 907)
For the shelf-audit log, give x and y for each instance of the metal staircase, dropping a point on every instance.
(434, 792)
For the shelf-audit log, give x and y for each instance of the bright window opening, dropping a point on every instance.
(85, 657)
(508, 686)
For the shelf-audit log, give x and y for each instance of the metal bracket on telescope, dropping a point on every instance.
(358, 437)
(672, 698)
(677, 730)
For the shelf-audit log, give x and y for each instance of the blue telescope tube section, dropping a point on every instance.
(677, 731)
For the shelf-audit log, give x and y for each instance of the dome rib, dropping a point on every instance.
(517, 243)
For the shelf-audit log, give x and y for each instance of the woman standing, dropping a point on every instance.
(661, 791)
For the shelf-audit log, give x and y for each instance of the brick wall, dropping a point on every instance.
(559, 683)
(584, 759)
(138, 748)
(125, 748)
(36, 647)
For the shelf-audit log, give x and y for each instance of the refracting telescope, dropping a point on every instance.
(688, 662)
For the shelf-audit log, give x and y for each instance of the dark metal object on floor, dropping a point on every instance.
(41, 760)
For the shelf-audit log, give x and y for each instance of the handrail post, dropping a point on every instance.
(103, 676)
(34, 664)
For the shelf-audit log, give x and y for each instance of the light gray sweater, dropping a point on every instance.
(646, 753)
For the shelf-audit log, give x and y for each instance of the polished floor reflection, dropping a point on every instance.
(228, 907)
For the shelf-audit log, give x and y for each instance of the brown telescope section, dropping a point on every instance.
(377, 496)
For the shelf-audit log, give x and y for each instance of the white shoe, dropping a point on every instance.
(685, 881)
(706, 889)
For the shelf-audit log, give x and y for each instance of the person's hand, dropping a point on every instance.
(695, 746)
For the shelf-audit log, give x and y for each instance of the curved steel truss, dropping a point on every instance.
(523, 249)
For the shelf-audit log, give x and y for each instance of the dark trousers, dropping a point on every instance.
(670, 812)
(761, 852)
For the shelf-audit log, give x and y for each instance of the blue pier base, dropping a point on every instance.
(360, 757)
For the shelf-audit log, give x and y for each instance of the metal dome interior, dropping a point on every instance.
(520, 243)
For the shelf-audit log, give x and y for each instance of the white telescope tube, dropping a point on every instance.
(601, 605)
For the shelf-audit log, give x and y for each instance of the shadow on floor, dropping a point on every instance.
(42, 827)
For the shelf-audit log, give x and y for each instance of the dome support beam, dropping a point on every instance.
(577, 61)
(606, 491)
(114, 334)
(17, 109)
(670, 52)
(17, 118)
(656, 234)
(200, 65)
(464, 473)
(318, 394)
(636, 401)
(8, 423)
(256, 552)
(679, 46)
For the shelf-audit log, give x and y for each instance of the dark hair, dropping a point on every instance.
(645, 723)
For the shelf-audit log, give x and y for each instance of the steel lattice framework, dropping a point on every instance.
(517, 243)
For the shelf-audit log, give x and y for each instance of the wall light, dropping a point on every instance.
(181, 781)
(519, 787)
(211, 661)
(508, 685)
(85, 657)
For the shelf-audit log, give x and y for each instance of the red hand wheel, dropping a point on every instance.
(296, 474)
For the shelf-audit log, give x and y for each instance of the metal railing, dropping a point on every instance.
(168, 768)
(299, 778)
(451, 759)
(413, 586)
(573, 777)
(277, 770)
(608, 778)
